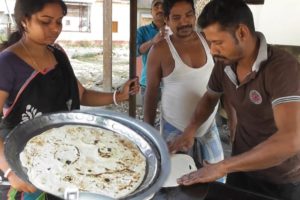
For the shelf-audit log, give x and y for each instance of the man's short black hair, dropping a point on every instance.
(168, 5)
(228, 13)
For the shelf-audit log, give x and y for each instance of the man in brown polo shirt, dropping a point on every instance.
(263, 85)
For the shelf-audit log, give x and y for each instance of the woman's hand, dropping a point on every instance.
(19, 184)
(130, 87)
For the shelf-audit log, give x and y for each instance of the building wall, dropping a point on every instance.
(279, 21)
(120, 14)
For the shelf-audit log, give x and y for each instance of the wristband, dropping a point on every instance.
(114, 98)
(7, 172)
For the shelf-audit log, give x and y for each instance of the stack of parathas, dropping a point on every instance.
(88, 158)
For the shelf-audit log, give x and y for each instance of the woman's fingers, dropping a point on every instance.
(19, 184)
(134, 86)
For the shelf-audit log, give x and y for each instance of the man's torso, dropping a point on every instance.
(277, 81)
(192, 53)
(186, 70)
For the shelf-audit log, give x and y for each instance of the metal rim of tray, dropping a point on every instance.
(144, 136)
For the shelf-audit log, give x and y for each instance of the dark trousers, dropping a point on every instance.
(279, 191)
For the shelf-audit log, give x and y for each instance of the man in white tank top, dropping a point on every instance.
(183, 64)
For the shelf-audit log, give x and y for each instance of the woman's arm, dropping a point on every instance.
(95, 98)
(14, 180)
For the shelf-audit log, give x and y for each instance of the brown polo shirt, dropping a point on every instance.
(275, 79)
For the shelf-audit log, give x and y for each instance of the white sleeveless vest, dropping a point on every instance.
(183, 88)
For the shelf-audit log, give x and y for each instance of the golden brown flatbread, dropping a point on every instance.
(88, 158)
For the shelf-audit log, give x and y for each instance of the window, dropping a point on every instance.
(68, 22)
(78, 18)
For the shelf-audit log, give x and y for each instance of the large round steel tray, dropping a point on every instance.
(144, 136)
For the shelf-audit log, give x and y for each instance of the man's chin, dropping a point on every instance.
(160, 19)
(224, 61)
(184, 34)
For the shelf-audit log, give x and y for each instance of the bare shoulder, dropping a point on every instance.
(161, 49)
(13, 48)
(17, 49)
(163, 57)
(160, 45)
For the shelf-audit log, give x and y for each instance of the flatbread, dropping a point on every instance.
(85, 157)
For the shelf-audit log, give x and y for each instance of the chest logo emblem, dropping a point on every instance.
(255, 97)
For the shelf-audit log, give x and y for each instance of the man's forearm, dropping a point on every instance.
(231, 117)
(145, 46)
(272, 152)
(149, 114)
(150, 106)
(203, 110)
(279, 147)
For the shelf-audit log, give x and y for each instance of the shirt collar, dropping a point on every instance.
(261, 57)
(153, 25)
(262, 52)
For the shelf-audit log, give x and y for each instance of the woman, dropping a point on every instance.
(36, 77)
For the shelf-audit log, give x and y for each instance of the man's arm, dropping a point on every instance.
(154, 75)
(145, 46)
(284, 144)
(231, 117)
(203, 110)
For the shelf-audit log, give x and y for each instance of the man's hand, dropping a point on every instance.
(208, 173)
(182, 143)
(163, 32)
(19, 184)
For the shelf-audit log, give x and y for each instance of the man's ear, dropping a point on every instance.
(242, 32)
